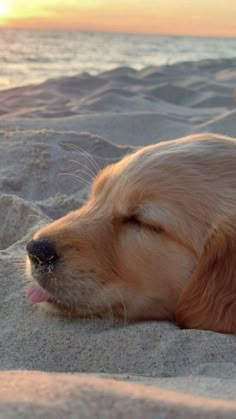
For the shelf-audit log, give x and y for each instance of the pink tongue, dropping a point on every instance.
(36, 294)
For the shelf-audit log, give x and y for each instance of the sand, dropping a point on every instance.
(90, 368)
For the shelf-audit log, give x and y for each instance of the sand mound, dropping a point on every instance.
(224, 124)
(17, 217)
(88, 396)
(55, 137)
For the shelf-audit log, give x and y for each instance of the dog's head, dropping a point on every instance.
(132, 248)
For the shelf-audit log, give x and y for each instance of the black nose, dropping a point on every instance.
(41, 251)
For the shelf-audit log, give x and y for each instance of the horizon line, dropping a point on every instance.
(60, 29)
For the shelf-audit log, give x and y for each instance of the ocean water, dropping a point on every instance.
(33, 56)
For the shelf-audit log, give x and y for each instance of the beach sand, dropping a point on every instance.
(81, 368)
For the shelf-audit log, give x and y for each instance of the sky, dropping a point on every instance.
(175, 17)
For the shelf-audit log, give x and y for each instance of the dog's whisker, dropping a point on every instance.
(85, 181)
(37, 216)
(93, 173)
(121, 299)
(96, 156)
(83, 172)
(88, 155)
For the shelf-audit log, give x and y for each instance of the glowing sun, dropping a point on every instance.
(4, 8)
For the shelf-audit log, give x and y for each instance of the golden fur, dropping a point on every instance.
(156, 238)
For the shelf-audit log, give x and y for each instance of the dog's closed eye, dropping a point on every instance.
(135, 220)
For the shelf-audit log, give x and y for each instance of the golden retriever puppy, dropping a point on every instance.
(156, 239)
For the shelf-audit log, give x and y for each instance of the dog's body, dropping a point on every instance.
(155, 240)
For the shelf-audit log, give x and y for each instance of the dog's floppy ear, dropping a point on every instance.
(209, 299)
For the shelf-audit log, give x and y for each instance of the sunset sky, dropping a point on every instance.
(190, 17)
